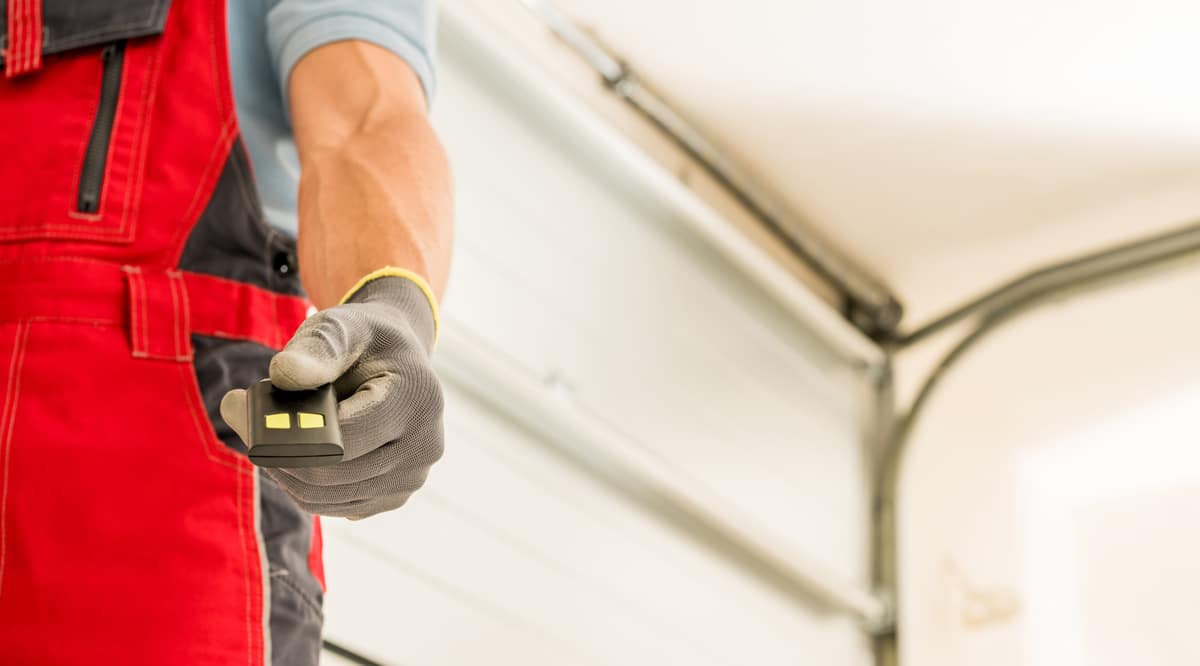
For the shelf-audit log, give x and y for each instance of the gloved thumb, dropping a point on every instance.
(317, 355)
(233, 411)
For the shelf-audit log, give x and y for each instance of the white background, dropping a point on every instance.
(1050, 506)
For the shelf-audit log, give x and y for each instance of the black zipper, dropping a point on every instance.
(91, 178)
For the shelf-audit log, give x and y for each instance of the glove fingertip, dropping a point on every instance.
(233, 411)
(294, 370)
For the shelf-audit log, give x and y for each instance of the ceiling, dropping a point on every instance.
(945, 144)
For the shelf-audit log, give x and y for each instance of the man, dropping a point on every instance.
(141, 289)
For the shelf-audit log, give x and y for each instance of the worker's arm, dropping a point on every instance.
(374, 251)
(375, 186)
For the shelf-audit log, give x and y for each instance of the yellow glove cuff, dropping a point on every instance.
(393, 271)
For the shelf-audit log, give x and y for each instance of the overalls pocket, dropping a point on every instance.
(87, 103)
(120, 509)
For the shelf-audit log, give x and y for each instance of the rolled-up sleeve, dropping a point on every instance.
(404, 27)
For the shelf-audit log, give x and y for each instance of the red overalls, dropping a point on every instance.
(137, 284)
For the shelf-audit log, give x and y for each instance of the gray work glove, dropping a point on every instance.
(374, 348)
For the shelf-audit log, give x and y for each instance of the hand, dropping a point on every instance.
(375, 349)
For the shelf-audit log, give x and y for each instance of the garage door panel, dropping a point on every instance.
(576, 276)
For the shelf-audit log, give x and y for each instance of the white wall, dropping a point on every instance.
(1050, 507)
(581, 276)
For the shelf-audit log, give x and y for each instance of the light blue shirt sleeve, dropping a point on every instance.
(268, 37)
(404, 27)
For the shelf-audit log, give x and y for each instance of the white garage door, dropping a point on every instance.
(515, 553)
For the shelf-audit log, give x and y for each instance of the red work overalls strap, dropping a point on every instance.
(137, 282)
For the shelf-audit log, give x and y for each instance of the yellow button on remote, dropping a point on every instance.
(278, 421)
(308, 420)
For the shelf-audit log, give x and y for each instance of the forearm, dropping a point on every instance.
(375, 186)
